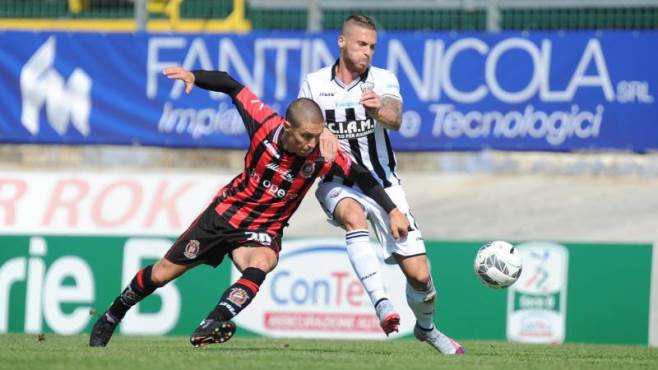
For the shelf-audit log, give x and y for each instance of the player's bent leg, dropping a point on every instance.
(415, 269)
(254, 262)
(420, 289)
(260, 257)
(421, 297)
(145, 282)
(165, 271)
(350, 213)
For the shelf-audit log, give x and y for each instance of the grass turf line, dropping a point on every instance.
(20, 351)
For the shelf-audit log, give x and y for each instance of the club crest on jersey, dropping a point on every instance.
(308, 168)
(238, 296)
(192, 249)
(334, 193)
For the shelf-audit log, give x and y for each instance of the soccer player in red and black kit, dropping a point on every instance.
(246, 218)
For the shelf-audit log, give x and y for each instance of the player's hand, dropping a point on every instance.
(328, 145)
(178, 73)
(370, 100)
(399, 224)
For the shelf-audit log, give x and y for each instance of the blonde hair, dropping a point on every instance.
(359, 20)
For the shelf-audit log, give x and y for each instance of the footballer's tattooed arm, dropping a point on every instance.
(389, 113)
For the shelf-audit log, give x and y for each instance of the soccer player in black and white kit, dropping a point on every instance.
(360, 103)
(246, 218)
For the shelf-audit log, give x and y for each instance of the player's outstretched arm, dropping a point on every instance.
(209, 80)
(370, 186)
(217, 81)
(181, 74)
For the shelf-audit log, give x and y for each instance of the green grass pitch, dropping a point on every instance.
(170, 353)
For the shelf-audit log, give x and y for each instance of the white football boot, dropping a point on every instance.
(389, 320)
(438, 340)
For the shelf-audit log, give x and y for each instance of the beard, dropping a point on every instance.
(355, 67)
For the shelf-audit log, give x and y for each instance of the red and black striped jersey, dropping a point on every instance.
(271, 187)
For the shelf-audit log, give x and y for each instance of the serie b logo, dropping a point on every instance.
(537, 302)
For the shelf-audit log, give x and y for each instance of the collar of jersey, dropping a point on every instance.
(362, 77)
(278, 140)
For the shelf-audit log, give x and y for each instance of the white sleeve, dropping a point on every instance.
(387, 85)
(305, 90)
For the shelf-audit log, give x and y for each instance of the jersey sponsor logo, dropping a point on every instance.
(307, 169)
(192, 249)
(326, 94)
(352, 129)
(284, 173)
(271, 188)
(347, 104)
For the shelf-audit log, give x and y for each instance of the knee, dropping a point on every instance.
(350, 214)
(265, 262)
(422, 288)
(419, 280)
(354, 221)
(263, 265)
(162, 273)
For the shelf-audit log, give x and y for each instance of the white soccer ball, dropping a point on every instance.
(498, 264)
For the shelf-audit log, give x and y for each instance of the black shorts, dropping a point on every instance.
(210, 237)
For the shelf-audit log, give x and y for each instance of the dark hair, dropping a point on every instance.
(303, 109)
(360, 20)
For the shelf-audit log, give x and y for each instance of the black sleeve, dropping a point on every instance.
(217, 81)
(252, 111)
(368, 185)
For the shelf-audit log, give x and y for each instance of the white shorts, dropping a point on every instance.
(330, 193)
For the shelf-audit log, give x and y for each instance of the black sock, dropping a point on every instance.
(139, 288)
(238, 295)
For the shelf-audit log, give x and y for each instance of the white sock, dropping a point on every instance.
(365, 263)
(421, 303)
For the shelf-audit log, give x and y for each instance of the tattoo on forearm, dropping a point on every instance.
(390, 111)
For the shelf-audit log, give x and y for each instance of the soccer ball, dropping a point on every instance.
(498, 264)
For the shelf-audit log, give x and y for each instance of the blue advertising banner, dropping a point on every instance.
(462, 91)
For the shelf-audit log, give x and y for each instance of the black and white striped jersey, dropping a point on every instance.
(365, 139)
